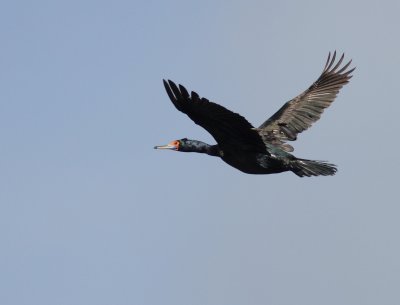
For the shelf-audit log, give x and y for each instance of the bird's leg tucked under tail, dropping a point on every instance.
(303, 167)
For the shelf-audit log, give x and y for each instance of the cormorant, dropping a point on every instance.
(261, 150)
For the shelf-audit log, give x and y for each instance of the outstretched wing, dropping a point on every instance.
(229, 129)
(301, 112)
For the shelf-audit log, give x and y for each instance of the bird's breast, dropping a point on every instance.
(253, 163)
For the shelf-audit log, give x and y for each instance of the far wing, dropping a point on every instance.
(229, 129)
(301, 112)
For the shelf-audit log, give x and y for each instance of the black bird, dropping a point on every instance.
(262, 150)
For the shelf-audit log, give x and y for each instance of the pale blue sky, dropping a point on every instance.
(91, 214)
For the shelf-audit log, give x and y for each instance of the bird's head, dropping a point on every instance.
(177, 145)
(187, 145)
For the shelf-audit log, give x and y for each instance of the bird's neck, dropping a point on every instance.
(203, 148)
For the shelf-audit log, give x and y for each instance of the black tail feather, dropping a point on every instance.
(303, 167)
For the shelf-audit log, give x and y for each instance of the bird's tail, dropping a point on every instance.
(303, 167)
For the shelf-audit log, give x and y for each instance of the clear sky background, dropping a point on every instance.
(91, 214)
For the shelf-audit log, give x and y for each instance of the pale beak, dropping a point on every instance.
(168, 146)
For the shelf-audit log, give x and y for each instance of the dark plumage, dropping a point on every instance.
(262, 150)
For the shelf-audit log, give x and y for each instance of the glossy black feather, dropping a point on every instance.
(229, 129)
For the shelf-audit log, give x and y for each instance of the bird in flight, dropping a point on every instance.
(262, 150)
